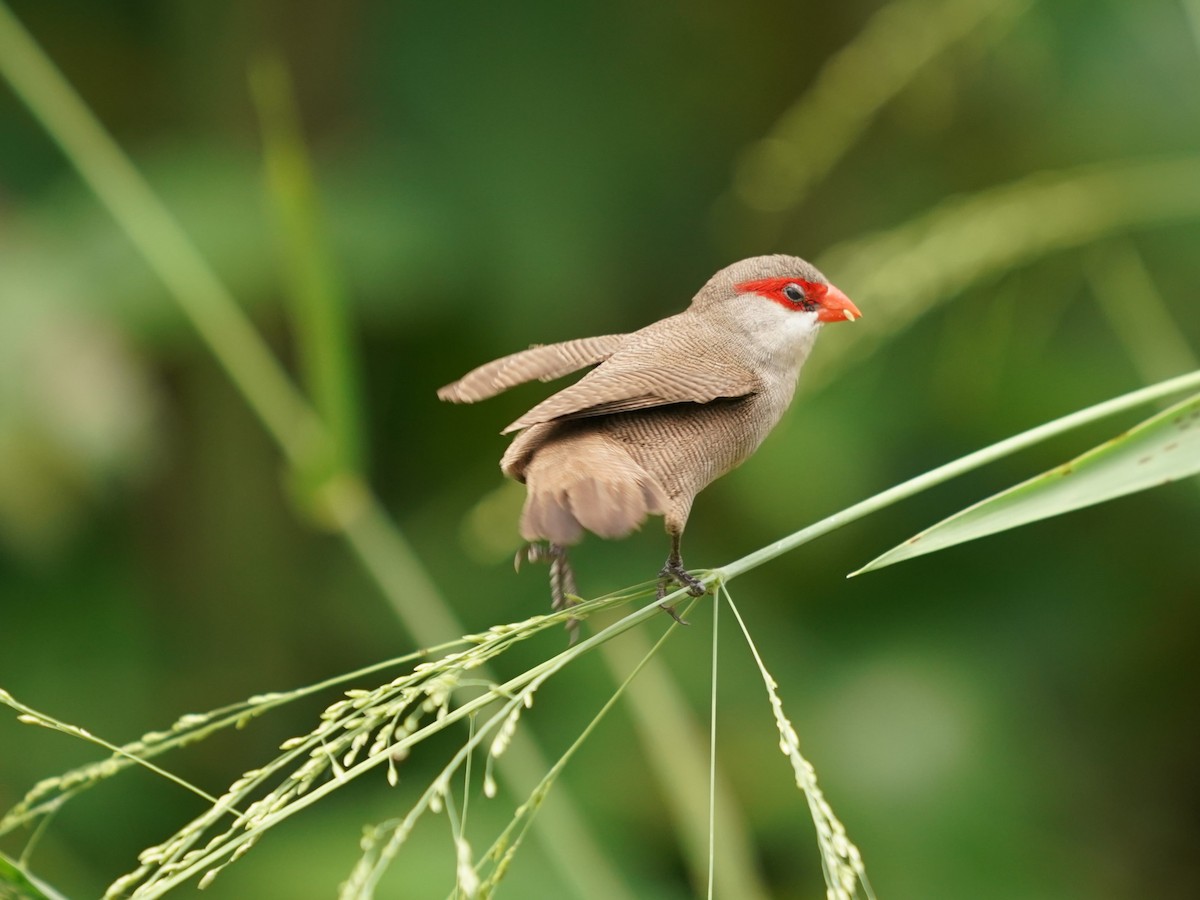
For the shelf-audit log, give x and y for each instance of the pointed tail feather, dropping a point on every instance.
(587, 482)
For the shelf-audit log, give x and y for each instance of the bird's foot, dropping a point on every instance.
(673, 573)
(563, 593)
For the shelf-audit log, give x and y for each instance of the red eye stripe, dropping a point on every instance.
(772, 289)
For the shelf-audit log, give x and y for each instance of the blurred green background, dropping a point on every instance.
(1011, 718)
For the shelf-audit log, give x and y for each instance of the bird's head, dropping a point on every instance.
(790, 282)
(778, 302)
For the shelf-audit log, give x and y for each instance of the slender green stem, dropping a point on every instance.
(712, 752)
(958, 467)
(1154, 341)
(841, 861)
(40, 829)
(521, 823)
(31, 716)
(318, 304)
(673, 744)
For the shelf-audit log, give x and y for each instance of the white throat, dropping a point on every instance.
(780, 339)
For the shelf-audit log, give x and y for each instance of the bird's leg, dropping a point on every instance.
(674, 573)
(562, 578)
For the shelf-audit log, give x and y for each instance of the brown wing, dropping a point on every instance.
(543, 363)
(631, 381)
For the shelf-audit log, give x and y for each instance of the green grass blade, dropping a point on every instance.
(17, 884)
(899, 275)
(1154, 341)
(317, 300)
(1162, 449)
(957, 467)
(776, 173)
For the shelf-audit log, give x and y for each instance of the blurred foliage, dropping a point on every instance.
(1014, 717)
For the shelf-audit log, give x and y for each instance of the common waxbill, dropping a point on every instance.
(667, 410)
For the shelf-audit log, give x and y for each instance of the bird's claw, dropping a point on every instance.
(563, 593)
(674, 573)
(681, 576)
(670, 611)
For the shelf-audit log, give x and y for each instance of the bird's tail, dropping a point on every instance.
(587, 482)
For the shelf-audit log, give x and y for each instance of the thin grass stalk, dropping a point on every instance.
(712, 754)
(464, 873)
(841, 862)
(27, 715)
(504, 848)
(664, 725)
(46, 797)
(567, 837)
(466, 884)
(40, 829)
(317, 305)
(957, 467)
(1153, 339)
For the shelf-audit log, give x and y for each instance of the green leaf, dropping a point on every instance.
(1162, 449)
(16, 884)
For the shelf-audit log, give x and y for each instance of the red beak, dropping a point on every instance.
(836, 307)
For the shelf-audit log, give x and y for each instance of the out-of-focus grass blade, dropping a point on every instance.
(965, 241)
(318, 305)
(16, 884)
(775, 173)
(1162, 449)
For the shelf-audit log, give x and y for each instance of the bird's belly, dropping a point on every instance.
(686, 446)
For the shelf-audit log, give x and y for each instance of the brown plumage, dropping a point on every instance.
(667, 410)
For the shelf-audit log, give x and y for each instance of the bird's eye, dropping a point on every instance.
(794, 293)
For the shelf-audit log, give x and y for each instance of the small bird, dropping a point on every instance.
(665, 412)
